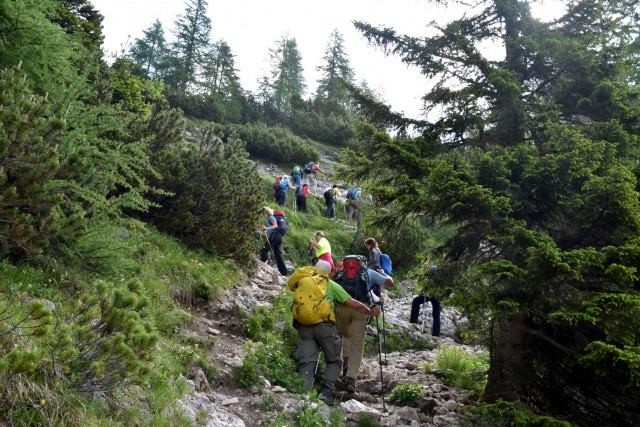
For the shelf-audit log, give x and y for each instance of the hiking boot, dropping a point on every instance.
(350, 385)
(345, 365)
(326, 395)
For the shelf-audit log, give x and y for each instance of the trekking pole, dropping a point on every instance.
(384, 334)
(315, 371)
(384, 409)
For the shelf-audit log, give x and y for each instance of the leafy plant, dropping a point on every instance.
(406, 394)
(457, 367)
(512, 414)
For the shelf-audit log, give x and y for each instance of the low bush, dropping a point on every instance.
(511, 414)
(406, 394)
(457, 367)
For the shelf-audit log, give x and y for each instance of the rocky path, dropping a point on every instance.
(227, 404)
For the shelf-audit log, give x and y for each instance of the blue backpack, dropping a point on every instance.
(385, 263)
(352, 194)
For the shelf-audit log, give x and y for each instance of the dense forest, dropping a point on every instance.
(525, 192)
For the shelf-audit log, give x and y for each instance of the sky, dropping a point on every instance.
(252, 27)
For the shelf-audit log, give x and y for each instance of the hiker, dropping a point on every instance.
(353, 326)
(323, 249)
(311, 170)
(330, 199)
(274, 240)
(280, 187)
(317, 327)
(301, 197)
(353, 199)
(418, 302)
(374, 254)
(296, 174)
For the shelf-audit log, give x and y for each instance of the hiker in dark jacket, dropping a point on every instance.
(301, 197)
(280, 192)
(330, 200)
(374, 255)
(274, 240)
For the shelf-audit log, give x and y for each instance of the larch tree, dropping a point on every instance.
(192, 31)
(151, 51)
(534, 161)
(220, 80)
(286, 81)
(334, 69)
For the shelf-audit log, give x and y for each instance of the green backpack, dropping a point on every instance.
(297, 170)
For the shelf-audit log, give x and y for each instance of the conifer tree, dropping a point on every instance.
(334, 70)
(221, 81)
(192, 31)
(533, 162)
(286, 81)
(151, 50)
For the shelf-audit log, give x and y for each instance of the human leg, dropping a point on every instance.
(343, 319)
(415, 308)
(306, 355)
(351, 210)
(435, 305)
(264, 252)
(276, 243)
(358, 334)
(299, 202)
(327, 337)
(303, 204)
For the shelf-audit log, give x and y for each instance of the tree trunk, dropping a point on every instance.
(508, 366)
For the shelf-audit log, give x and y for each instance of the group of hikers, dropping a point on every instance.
(332, 301)
(302, 190)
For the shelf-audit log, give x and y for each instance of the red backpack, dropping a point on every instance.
(354, 277)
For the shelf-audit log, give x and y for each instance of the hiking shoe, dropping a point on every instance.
(345, 365)
(351, 385)
(326, 395)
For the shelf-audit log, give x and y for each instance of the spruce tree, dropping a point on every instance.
(286, 81)
(334, 70)
(192, 31)
(151, 50)
(533, 163)
(220, 80)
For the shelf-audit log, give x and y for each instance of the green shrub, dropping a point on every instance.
(212, 206)
(457, 367)
(277, 144)
(511, 414)
(406, 394)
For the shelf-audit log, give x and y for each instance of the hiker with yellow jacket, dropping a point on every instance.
(313, 313)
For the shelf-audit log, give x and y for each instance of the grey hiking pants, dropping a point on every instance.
(311, 339)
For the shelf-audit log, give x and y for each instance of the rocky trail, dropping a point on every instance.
(227, 404)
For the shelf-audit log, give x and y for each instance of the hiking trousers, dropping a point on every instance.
(330, 212)
(435, 311)
(312, 181)
(354, 206)
(312, 339)
(353, 326)
(274, 243)
(281, 197)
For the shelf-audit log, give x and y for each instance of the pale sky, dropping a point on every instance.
(251, 28)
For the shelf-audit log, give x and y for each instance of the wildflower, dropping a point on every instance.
(43, 402)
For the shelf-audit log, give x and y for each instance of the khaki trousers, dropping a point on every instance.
(353, 326)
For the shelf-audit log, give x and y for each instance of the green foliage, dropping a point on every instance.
(457, 367)
(531, 165)
(512, 414)
(213, 207)
(271, 355)
(30, 210)
(397, 339)
(273, 143)
(406, 394)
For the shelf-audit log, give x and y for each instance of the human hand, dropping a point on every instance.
(375, 311)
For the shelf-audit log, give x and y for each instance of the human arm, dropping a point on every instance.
(361, 308)
(273, 224)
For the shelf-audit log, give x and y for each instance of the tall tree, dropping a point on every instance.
(534, 162)
(192, 31)
(334, 69)
(220, 80)
(151, 50)
(286, 79)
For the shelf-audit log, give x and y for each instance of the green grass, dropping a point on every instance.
(129, 254)
(459, 368)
